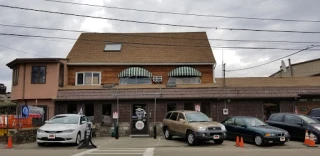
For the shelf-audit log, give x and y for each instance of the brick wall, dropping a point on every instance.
(305, 107)
(286, 105)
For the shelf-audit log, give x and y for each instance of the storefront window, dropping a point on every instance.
(135, 80)
(185, 80)
(171, 107)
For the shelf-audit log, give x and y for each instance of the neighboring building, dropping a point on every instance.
(301, 69)
(5, 104)
(147, 74)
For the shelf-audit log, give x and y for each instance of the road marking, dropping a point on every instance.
(148, 152)
(85, 152)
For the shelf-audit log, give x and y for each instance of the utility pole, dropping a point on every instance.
(224, 75)
(291, 73)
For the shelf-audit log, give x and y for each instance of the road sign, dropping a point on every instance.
(115, 115)
(197, 107)
(25, 111)
(225, 111)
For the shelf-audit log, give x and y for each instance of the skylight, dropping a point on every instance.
(113, 47)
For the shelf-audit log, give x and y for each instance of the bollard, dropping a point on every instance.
(117, 131)
(154, 131)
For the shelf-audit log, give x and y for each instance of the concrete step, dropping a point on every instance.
(140, 136)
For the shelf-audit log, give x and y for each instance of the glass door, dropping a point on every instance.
(139, 119)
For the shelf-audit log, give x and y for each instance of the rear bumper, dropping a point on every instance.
(209, 135)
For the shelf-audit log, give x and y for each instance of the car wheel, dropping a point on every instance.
(78, 139)
(191, 139)
(167, 134)
(218, 141)
(258, 140)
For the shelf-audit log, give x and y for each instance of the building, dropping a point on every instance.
(141, 76)
(301, 69)
(5, 104)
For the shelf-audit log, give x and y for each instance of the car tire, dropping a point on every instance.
(191, 139)
(218, 141)
(78, 139)
(258, 140)
(167, 134)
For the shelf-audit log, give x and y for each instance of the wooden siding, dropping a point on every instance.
(110, 73)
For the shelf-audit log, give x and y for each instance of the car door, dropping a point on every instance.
(277, 120)
(173, 122)
(181, 126)
(230, 126)
(295, 130)
(241, 130)
(315, 114)
(83, 127)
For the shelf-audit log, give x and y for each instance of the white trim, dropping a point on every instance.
(99, 64)
(83, 72)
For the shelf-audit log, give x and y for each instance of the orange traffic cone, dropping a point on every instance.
(237, 141)
(311, 141)
(9, 142)
(306, 138)
(241, 144)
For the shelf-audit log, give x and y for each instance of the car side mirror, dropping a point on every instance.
(182, 120)
(83, 122)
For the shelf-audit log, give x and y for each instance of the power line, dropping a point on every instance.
(166, 24)
(188, 14)
(139, 43)
(228, 40)
(21, 51)
(312, 46)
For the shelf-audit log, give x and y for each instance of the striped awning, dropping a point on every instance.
(184, 71)
(134, 71)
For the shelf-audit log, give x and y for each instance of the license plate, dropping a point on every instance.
(216, 137)
(51, 136)
(282, 139)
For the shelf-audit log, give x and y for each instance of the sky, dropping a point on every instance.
(12, 47)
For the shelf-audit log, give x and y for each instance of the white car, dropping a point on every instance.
(63, 128)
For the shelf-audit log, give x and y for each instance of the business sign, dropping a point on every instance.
(115, 115)
(225, 111)
(139, 125)
(197, 107)
(24, 111)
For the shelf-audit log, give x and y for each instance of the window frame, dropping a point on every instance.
(15, 76)
(83, 83)
(293, 117)
(121, 80)
(113, 43)
(45, 75)
(174, 79)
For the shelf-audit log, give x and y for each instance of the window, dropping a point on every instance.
(290, 119)
(315, 113)
(188, 106)
(15, 76)
(239, 122)
(106, 109)
(185, 80)
(137, 80)
(181, 116)
(168, 115)
(113, 47)
(277, 118)
(171, 107)
(89, 109)
(72, 108)
(229, 121)
(61, 75)
(38, 75)
(88, 78)
(174, 116)
(206, 108)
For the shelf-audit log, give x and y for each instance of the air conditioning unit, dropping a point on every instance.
(157, 79)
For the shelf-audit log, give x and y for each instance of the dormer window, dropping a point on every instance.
(113, 47)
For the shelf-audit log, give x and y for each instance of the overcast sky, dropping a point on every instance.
(234, 58)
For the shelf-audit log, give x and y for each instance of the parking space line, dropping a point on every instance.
(85, 152)
(113, 153)
(148, 152)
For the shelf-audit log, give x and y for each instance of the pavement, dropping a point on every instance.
(125, 146)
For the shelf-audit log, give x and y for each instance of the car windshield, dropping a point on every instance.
(197, 117)
(64, 120)
(307, 119)
(253, 122)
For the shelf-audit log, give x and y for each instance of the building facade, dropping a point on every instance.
(141, 76)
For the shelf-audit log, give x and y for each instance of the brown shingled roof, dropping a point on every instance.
(189, 47)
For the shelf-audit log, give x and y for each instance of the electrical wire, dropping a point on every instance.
(158, 44)
(22, 51)
(210, 39)
(187, 14)
(166, 24)
(312, 46)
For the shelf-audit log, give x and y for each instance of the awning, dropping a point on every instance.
(135, 71)
(184, 71)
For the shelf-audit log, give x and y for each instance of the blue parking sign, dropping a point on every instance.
(25, 111)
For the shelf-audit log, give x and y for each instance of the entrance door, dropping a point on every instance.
(139, 120)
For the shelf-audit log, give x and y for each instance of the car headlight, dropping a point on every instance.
(40, 131)
(68, 131)
(223, 127)
(200, 128)
(270, 134)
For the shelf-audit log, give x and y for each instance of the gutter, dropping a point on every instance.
(98, 64)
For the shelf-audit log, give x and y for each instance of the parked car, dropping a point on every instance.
(63, 128)
(252, 129)
(194, 126)
(296, 125)
(315, 113)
